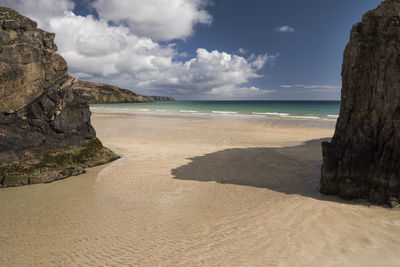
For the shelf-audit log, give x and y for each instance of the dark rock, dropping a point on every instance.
(363, 158)
(45, 129)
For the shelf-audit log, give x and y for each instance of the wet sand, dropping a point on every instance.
(196, 190)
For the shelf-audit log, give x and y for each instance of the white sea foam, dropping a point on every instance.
(303, 117)
(161, 110)
(188, 111)
(224, 112)
(285, 115)
(333, 116)
(142, 109)
(271, 114)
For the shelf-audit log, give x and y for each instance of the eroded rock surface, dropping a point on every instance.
(45, 129)
(363, 158)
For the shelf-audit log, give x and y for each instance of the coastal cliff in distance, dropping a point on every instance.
(45, 129)
(363, 158)
(96, 93)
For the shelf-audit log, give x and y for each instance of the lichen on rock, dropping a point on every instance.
(363, 158)
(45, 129)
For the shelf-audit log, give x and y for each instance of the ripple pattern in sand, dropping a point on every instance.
(170, 204)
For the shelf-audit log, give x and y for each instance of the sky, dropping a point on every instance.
(204, 49)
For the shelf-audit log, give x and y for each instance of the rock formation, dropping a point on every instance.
(363, 158)
(96, 93)
(45, 129)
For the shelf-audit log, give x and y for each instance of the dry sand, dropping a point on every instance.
(197, 191)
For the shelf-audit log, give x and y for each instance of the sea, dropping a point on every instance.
(283, 109)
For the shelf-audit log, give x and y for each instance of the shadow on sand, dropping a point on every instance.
(290, 170)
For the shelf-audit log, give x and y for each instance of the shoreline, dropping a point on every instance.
(181, 113)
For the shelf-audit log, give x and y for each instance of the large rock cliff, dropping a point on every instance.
(363, 158)
(45, 129)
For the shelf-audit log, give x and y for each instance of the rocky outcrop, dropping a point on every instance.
(363, 158)
(96, 93)
(45, 129)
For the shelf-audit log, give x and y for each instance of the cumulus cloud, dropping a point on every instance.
(209, 70)
(114, 53)
(157, 19)
(93, 47)
(97, 51)
(285, 28)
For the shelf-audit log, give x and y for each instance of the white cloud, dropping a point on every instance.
(314, 88)
(40, 10)
(236, 92)
(260, 60)
(210, 72)
(92, 46)
(112, 54)
(100, 52)
(242, 51)
(326, 87)
(285, 28)
(157, 19)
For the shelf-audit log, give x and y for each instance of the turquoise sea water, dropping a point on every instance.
(291, 109)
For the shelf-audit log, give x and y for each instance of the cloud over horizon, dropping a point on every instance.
(314, 88)
(127, 53)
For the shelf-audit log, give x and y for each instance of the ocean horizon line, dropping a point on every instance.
(285, 109)
(268, 100)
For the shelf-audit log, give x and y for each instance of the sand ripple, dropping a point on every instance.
(193, 193)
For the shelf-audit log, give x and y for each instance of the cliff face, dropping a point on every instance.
(96, 93)
(363, 158)
(45, 130)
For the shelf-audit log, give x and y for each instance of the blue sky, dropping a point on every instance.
(198, 49)
(311, 55)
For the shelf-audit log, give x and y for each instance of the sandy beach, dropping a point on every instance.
(197, 190)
